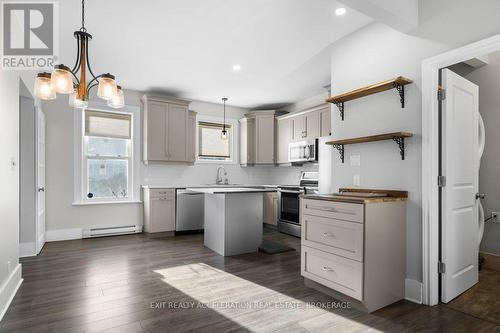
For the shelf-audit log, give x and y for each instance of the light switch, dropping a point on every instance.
(355, 160)
(356, 180)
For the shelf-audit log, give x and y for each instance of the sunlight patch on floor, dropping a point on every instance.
(248, 304)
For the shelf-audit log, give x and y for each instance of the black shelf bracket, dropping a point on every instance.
(340, 105)
(401, 90)
(340, 148)
(401, 143)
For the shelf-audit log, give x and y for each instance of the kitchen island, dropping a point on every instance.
(233, 218)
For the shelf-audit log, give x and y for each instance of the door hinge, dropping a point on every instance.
(441, 94)
(441, 181)
(441, 267)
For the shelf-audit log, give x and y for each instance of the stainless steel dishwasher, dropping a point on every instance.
(190, 211)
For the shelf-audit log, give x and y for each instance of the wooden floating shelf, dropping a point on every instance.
(398, 137)
(397, 83)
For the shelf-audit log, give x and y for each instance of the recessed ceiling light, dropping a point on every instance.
(236, 68)
(340, 11)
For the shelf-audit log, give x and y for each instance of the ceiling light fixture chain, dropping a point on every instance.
(73, 81)
(224, 130)
(83, 17)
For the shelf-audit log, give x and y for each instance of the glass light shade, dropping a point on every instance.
(107, 87)
(118, 100)
(223, 134)
(62, 80)
(75, 102)
(43, 88)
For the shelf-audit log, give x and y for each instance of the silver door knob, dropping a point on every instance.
(41, 189)
(480, 196)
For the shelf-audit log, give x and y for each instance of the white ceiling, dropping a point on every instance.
(187, 47)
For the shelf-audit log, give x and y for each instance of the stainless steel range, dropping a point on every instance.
(289, 202)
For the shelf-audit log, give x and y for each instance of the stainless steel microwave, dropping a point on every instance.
(303, 151)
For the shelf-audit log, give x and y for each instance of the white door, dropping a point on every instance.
(459, 250)
(40, 165)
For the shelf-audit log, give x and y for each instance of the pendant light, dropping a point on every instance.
(64, 80)
(224, 131)
(43, 88)
(118, 100)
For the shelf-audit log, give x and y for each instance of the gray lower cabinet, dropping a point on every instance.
(159, 209)
(355, 250)
(270, 215)
(168, 132)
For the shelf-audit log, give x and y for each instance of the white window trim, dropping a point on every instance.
(79, 186)
(234, 139)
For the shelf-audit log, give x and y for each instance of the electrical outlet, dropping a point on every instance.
(355, 160)
(356, 180)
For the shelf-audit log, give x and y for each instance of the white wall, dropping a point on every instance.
(62, 214)
(373, 54)
(10, 269)
(488, 80)
(9, 191)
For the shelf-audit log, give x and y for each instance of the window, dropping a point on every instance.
(211, 146)
(107, 155)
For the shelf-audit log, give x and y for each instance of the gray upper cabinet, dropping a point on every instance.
(313, 125)
(284, 137)
(299, 128)
(191, 147)
(309, 124)
(257, 138)
(247, 141)
(168, 132)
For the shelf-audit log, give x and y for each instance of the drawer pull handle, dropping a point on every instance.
(329, 209)
(328, 269)
(327, 234)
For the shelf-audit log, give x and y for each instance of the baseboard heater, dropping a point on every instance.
(112, 231)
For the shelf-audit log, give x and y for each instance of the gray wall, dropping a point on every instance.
(488, 80)
(373, 54)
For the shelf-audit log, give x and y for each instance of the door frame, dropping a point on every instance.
(430, 157)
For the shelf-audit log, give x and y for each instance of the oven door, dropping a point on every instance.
(289, 206)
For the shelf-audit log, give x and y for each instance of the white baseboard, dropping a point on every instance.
(27, 249)
(413, 291)
(9, 289)
(63, 234)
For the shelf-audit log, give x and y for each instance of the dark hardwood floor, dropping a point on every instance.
(140, 284)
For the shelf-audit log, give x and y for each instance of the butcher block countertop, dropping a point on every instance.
(360, 196)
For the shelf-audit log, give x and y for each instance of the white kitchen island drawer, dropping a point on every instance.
(336, 210)
(334, 236)
(338, 273)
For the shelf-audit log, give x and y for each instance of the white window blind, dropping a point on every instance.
(107, 124)
(211, 144)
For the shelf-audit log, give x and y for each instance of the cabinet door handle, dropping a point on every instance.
(329, 235)
(328, 269)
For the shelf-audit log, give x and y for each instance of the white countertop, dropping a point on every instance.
(206, 186)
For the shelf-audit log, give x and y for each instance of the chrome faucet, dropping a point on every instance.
(219, 181)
